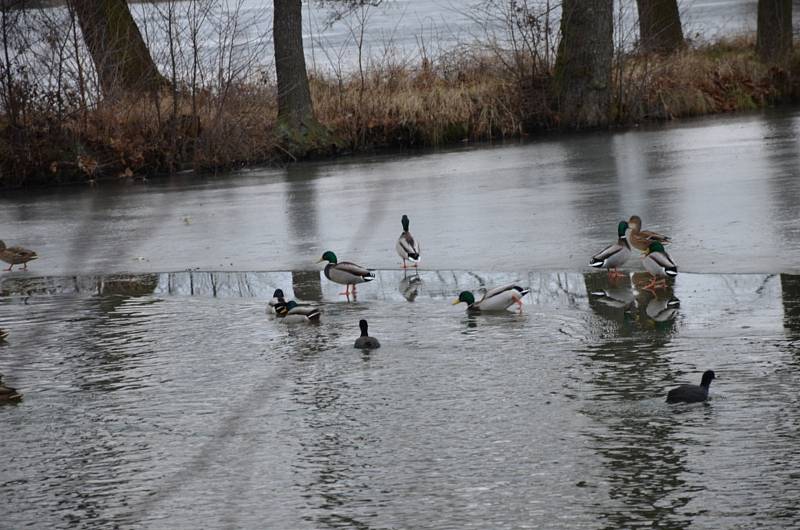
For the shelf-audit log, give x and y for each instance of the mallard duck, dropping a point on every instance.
(497, 299)
(16, 256)
(614, 256)
(345, 272)
(658, 263)
(293, 313)
(641, 239)
(7, 393)
(406, 246)
(365, 342)
(277, 300)
(692, 393)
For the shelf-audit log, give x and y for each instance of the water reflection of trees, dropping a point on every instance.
(302, 215)
(782, 152)
(790, 294)
(637, 446)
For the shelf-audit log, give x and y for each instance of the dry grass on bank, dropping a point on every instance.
(473, 98)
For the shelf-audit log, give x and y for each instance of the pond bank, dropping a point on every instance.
(458, 99)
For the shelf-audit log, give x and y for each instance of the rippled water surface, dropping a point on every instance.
(174, 401)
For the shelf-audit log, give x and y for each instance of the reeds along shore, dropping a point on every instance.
(459, 98)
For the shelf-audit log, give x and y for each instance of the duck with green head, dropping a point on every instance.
(659, 264)
(277, 300)
(407, 247)
(294, 313)
(497, 299)
(345, 273)
(614, 256)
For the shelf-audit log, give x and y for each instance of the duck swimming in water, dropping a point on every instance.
(8, 394)
(497, 299)
(293, 313)
(277, 300)
(692, 393)
(365, 342)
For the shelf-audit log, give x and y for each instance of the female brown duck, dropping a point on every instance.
(16, 256)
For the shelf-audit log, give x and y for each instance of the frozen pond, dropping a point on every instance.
(726, 189)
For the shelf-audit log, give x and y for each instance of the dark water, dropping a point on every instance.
(173, 401)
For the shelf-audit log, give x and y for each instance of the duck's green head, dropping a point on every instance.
(622, 227)
(655, 246)
(404, 220)
(330, 257)
(283, 309)
(465, 297)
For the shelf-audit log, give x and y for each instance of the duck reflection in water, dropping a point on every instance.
(409, 286)
(612, 292)
(621, 302)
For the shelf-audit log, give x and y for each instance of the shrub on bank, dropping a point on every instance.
(460, 98)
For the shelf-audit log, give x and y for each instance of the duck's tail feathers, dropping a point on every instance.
(673, 302)
(314, 317)
(369, 277)
(672, 271)
(521, 290)
(597, 263)
(413, 258)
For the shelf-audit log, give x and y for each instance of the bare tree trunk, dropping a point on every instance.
(120, 55)
(582, 81)
(9, 88)
(295, 110)
(774, 36)
(660, 25)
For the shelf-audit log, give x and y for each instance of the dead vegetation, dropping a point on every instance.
(54, 133)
